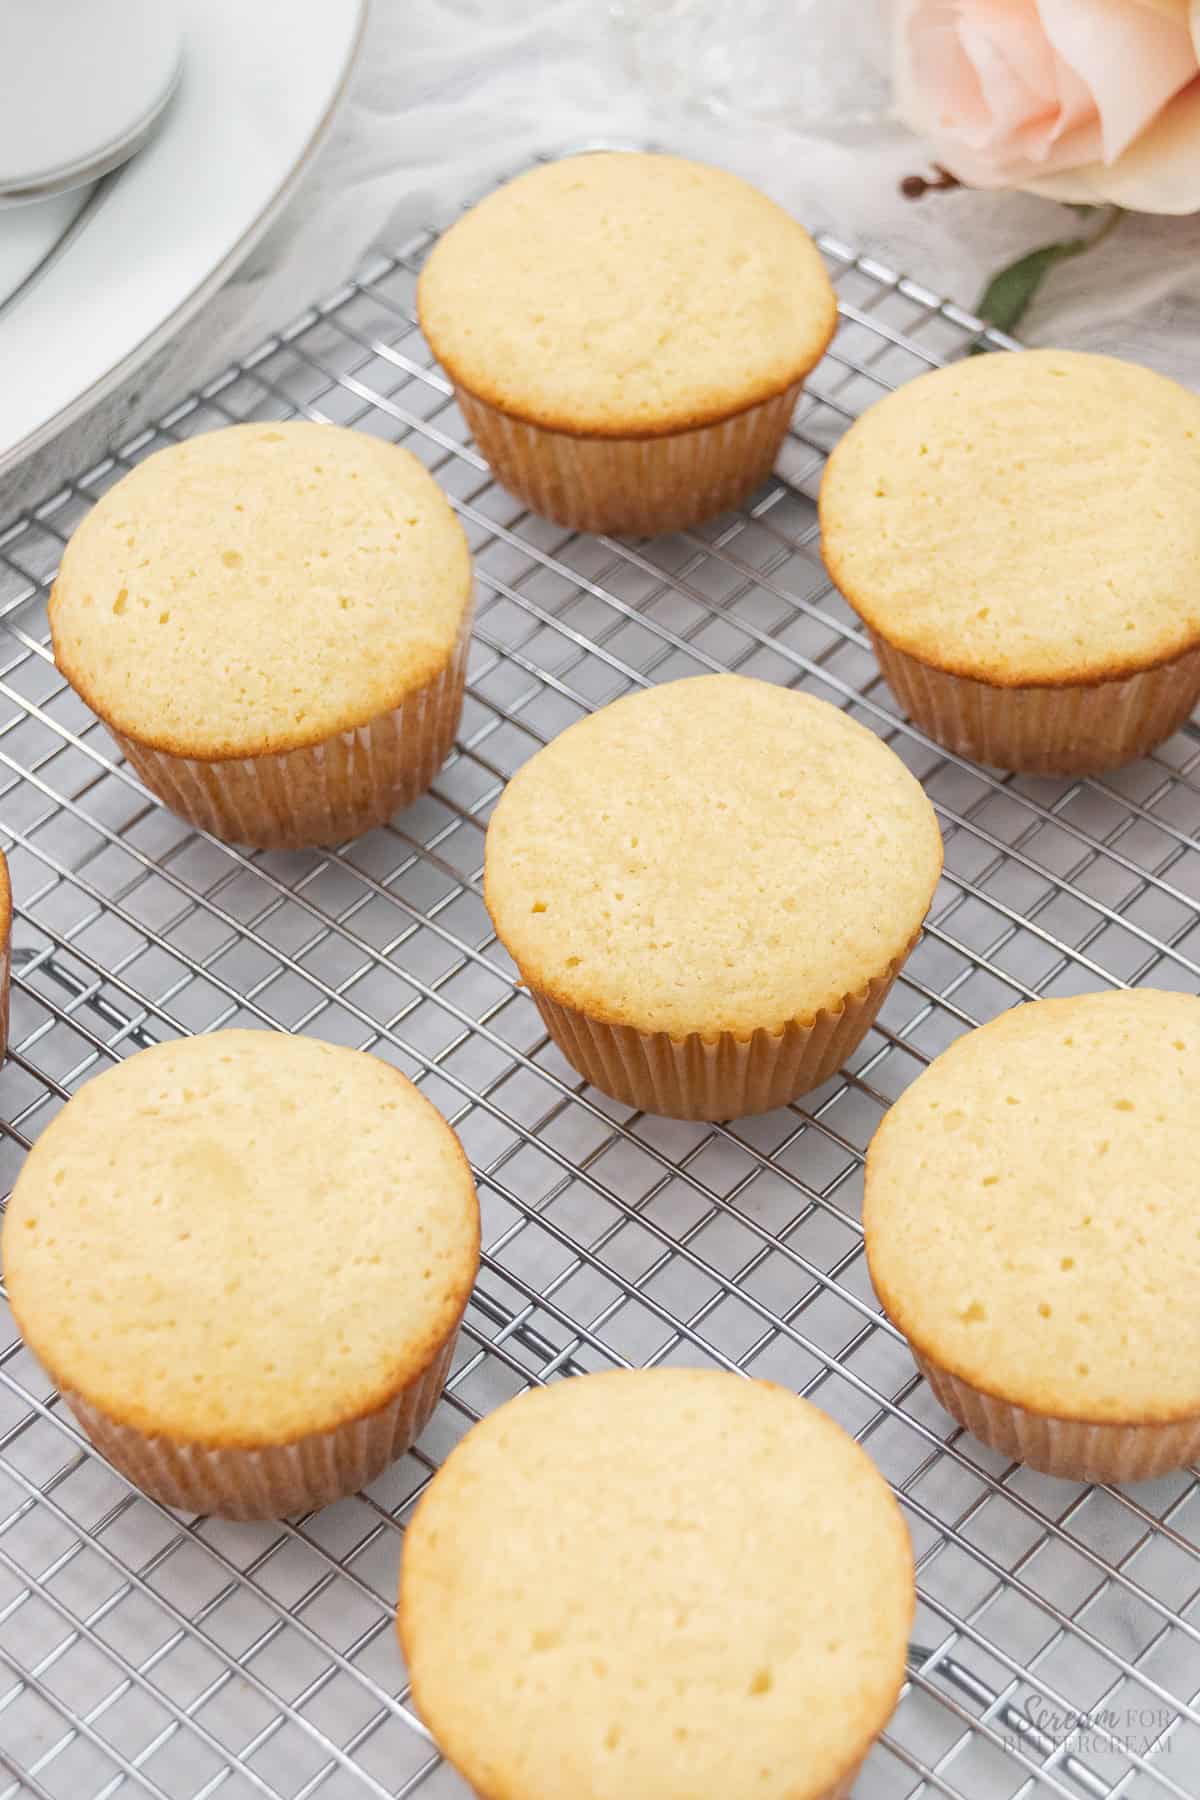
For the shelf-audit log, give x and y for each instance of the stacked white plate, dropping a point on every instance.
(190, 125)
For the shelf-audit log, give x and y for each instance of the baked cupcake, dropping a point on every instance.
(1032, 1220)
(666, 1582)
(272, 621)
(627, 335)
(1020, 535)
(708, 888)
(244, 1258)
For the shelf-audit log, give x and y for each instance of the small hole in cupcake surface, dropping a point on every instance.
(1045, 1310)
(1068, 1262)
(232, 559)
(975, 1314)
(120, 602)
(1123, 1106)
(763, 1682)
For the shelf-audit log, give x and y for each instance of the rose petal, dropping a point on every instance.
(988, 116)
(1159, 173)
(1170, 9)
(1052, 138)
(1070, 187)
(1082, 144)
(941, 68)
(1014, 74)
(1131, 58)
(1000, 117)
(1014, 63)
(912, 100)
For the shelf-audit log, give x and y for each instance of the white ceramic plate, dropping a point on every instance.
(259, 86)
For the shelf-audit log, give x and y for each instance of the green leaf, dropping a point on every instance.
(1007, 296)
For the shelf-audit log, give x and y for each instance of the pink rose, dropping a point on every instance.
(1088, 100)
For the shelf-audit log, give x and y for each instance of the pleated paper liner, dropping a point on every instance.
(1070, 1448)
(637, 487)
(329, 792)
(279, 1479)
(1044, 730)
(728, 1076)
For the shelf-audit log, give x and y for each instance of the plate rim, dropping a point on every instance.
(40, 435)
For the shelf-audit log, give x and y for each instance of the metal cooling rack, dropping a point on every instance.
(1057, 1647)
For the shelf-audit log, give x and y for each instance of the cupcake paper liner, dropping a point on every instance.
(1070, 1448)
(334, 790)
(635, 486)
(724, 1077)
(1044, 730)
(279, 1479)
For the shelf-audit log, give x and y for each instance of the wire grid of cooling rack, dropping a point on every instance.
(1057, 1646)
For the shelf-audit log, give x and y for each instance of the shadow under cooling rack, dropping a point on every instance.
(1057, 1646)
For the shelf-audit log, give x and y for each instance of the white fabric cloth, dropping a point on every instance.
(449, 94)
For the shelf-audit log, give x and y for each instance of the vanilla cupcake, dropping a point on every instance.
(1020, 535)
(668, 1583)
(272, 621)
(708, 888)
(1032, 1219)
(627, 335)
(244, 1258)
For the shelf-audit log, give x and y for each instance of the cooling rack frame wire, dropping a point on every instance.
(1057, 1648)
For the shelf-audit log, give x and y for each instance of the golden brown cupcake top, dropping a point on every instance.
(1032, 1208)
(259, 589)
(716, 854)
(668, 1583)
(1023, 519)
(626, 295)
(241, 1238)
